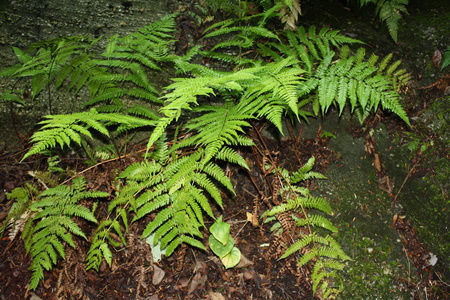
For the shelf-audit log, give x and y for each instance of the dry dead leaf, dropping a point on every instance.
(158, 275)
(216, 296)
(437, 58)
(244, 262)
(248, 275)
(197, 280)
(35, 297)
(395, 219)
(377, 162)
(252, 219)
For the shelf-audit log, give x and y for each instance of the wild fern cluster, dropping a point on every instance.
(298, 207)
(47, 221)
(192, 127)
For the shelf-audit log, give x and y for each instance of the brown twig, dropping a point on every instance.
(406, 179)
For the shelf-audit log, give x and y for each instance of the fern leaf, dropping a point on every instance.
(169, 237)
(203, 181)
(230, 155)
(163, 230)
(149, 207)
(202, 201)
(317, 220)
(160, 218)
(106, 253)
(193, 242)
(172, 246)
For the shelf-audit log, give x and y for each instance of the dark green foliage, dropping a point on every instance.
(55, 61)
(390, 12)
(128, 59)
(178, 188)
(446, 58)
(62, 129)
(12, 96)
(19, 212)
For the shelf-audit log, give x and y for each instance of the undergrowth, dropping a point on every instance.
(192, 127)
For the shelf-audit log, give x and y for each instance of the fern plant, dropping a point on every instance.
(177, 188)
(298, 207)
(240, 39)
(179, 181)
(55, 61)
(63, 129)
(128, 60)
(19, 211)
(50, 224)
(390, 12)
(333, 78)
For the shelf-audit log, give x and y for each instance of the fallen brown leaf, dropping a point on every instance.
(158, 275)
(216, 296)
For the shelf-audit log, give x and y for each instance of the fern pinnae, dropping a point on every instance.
(162, 216)
(163, 229)
(320, 221)
(168, 237)
(53, 224)
(230, 155)
(318, 203)
(315, 248)
(149, 207)
(298, 245)
(202, 202)
(218, 174)
(203, 181)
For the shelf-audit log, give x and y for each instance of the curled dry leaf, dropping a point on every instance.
(252, 219)
(34, 296)
(377, 162)
(437, 58)
(394, 220)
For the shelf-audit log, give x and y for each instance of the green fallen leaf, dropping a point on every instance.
(231, 259)
(218, 248)
(220, 230)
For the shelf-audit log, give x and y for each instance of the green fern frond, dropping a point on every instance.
(99, 249)
(51, 226)
(317, 203)
(176, 189)
(318, 221)
(340, 78)
(390, 12)
(185, 92)
(232, 156)
(218, 127)
(56, 59)
(305, 173)
(323, 253)
(62, 129)
(20, 210)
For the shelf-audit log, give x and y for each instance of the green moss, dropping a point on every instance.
(363, 213)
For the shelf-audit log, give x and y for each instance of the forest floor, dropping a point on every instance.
(194, 274)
